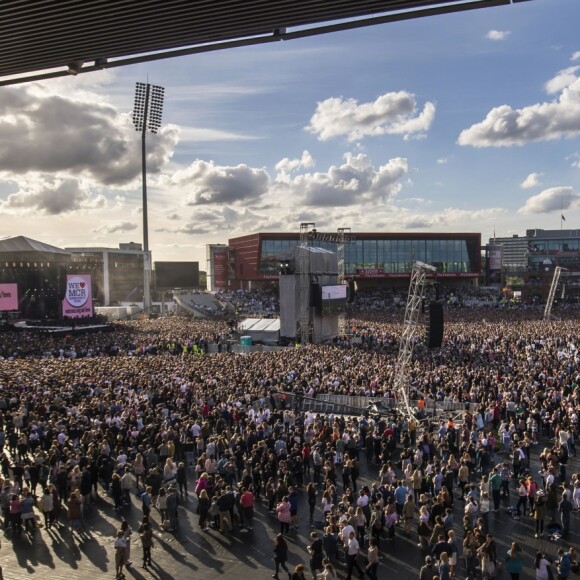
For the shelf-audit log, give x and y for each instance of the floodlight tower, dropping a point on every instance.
(147, 113)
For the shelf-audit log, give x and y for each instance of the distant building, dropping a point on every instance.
(514, 254)
(117, 272)
(535, 256)
(372, 259)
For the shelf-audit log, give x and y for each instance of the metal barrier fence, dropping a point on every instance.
(355, 404)
(328, 403)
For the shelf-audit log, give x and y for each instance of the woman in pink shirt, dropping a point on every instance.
(283, 513)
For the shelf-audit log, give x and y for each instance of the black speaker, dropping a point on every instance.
(316, 296)
(351, 291)
(435, 337)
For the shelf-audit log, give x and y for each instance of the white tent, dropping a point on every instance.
(264, 330)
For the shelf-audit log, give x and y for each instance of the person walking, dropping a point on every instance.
(74, 512)
(127, 535)
(352, 556)
(47, 502)
(280, 555)
(181, 479)
(316, 554)
(284, 516)
(203, 505)
(372, 559)
(120, 546)
(146, 536)
(247, 509)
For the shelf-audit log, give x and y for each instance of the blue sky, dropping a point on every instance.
(462, 122)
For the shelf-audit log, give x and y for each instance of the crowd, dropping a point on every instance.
(252, 303)
(142, 409)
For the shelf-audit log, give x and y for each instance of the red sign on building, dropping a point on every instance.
(220, 269)
(371, 272)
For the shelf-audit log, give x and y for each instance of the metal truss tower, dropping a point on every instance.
(343, 237)
(304, 291)
(552, 294)
(407, 342)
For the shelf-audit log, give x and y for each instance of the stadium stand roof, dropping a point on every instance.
(45, 39)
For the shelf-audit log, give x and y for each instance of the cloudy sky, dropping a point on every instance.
(465, 122)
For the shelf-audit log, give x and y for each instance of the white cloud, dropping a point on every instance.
(204, 134)
(76, 133)
(504, 126)
(575, 56)
(498, 35)
(390, 114)
(562, 80)
(211, 220)
(204, 182)
(449, 217)
(356, 181)
(532, 180)
(51, 197)
(552, 199)
(287, 165)
(444, 160)
(115, 228)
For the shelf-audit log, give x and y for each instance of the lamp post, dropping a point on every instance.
(147, 112)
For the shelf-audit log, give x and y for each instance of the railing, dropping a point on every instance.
(328, 403)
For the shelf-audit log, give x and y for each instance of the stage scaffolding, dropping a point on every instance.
(408, 337)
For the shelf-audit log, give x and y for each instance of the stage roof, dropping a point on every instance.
(45, 39)
(14, 244)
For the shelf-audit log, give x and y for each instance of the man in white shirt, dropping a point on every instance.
(352, 556)
(345, 533)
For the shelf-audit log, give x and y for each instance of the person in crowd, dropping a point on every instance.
(146, 536)
(542, 567)
(144, 399)
(280, 555)
(120, 547)
(372, 566)
(514, 561)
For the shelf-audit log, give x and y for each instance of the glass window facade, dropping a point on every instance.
(543, 253)
(393, 256)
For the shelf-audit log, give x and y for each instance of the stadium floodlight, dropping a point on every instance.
(147, 114)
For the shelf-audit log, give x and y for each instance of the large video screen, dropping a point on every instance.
(177, 275)
(8, 297)
(333, 299)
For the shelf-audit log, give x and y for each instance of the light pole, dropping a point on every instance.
(147, 112)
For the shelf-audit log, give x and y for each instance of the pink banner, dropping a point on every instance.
(8, 297)
(78, 298)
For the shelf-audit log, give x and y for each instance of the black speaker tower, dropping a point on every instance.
(435, 336)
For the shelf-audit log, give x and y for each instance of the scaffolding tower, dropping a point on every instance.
(344, 237)
(304, 292)
(408, 337)
(552, 294)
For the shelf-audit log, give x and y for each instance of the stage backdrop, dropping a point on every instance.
(8, 297)
(78, 298)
